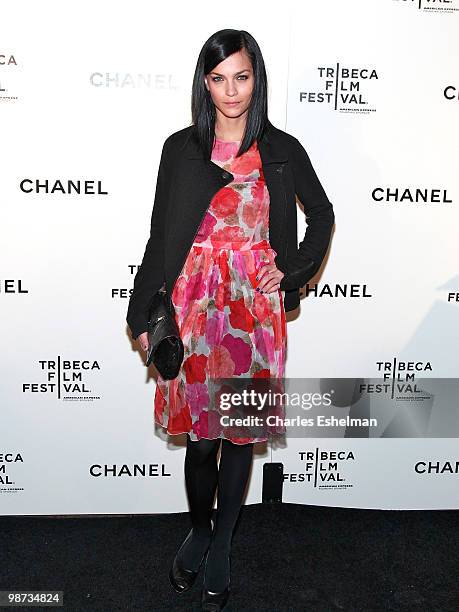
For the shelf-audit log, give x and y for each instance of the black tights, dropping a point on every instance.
(203, 477)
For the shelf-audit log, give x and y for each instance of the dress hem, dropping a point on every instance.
(179, 433)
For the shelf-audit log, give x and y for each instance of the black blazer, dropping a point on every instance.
(185, 186)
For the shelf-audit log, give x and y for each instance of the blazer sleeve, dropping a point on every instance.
(150, 275)
(304, 264)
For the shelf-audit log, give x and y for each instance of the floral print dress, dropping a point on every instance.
(228, 328)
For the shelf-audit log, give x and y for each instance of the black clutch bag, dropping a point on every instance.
(165, 347)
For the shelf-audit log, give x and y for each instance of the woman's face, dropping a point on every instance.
(230, 84)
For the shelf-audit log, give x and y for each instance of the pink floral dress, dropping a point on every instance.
(228, 328)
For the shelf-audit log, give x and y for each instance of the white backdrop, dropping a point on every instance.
(89, 95)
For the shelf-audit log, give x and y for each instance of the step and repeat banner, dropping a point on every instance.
(87, 99)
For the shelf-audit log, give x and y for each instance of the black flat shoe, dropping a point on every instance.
(182, 579)
(211, 601)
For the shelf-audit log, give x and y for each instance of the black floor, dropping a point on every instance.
(285, 557)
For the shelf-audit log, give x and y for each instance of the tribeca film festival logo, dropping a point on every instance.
(7, 482)
(346, 88)
(430, 6)
(66, 379)
(323, 469)
(400, 376)
(7, 62)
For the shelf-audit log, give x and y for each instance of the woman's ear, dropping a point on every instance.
(205, 81)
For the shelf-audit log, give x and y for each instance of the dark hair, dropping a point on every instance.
(217, 48)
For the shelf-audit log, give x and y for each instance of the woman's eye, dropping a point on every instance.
(241, 76)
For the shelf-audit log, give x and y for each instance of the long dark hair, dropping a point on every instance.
(216, 49)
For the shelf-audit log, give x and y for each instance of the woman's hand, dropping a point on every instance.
(143, 341)
(270, 277)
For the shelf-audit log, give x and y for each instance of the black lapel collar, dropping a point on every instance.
(270, 152)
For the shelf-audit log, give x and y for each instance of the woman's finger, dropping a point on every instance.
(271, 284)
(268, 278)
(271, 287)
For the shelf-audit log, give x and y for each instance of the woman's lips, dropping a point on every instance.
(232, 103)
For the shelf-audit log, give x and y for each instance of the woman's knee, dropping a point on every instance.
(199, 451)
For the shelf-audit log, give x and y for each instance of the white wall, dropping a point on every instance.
(91, 94)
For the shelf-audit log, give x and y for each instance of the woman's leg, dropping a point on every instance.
(234, 470)
(201, 475)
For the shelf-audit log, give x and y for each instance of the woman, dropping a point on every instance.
(224, 239)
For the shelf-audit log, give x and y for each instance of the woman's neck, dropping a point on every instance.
(231, 133)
